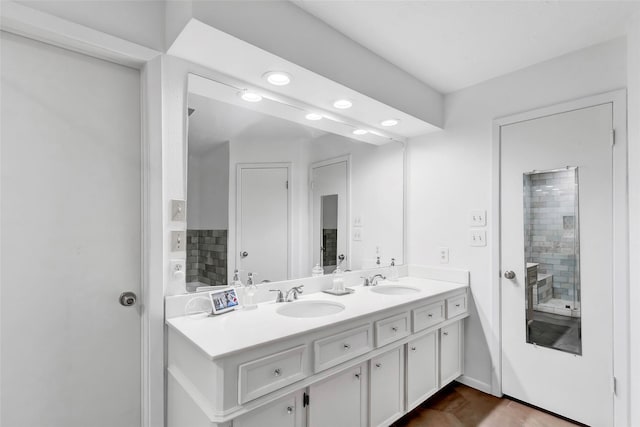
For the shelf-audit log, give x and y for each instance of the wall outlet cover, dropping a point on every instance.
(478, 218)
(478, 237)
(443, 255)
(357, 234)
(357, 221)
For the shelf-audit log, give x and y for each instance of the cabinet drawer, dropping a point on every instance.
(262, 376)
(338, 348)
(456, 305)
(391, 329)
(428, 315)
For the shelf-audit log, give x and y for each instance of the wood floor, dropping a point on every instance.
(461, 406)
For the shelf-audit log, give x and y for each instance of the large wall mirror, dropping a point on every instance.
(276, 198)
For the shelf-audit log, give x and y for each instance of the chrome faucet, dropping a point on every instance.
(292, 294)
(373, 280)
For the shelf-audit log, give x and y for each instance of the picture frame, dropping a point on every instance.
(223, 300)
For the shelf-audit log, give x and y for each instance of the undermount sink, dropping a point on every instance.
(394, 290)
(310, 308)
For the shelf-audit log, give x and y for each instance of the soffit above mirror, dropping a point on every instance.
(308, 92)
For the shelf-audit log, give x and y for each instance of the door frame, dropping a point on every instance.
(238, 214)
(620, 280)
(331, 161)
(44, 27)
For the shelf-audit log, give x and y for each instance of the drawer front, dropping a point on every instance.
(427, 316)
(391, 329)
(262, 376)
(456, 305)
(341, 347)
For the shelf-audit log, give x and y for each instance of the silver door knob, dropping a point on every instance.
(128, 299)
(509, 275)
(244, 254)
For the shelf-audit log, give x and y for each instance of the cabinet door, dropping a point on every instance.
(387, 387)
(422, 369)
(450, 353)
(340, 400)
(284, 412)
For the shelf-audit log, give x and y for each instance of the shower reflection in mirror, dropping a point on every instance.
(552, 259)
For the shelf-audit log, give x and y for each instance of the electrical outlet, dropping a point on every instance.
(178, 241)
(443, 255)
(478, 218)
(178, 210)
(478, 237)
(357, 221)
(177, 269)
(357, 234)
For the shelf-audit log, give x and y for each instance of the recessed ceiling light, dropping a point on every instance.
(250, 96)
(360, 132)
(389, 122)
(342, 104)
(277, 78)
(313, 116)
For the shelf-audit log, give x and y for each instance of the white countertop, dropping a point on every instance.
(221, 335)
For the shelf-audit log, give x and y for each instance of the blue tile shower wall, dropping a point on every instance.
(551, 230)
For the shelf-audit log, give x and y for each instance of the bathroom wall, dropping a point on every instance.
(450, 174)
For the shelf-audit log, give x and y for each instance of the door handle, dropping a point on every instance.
(509, 275)
(128, 299)
(244, 254)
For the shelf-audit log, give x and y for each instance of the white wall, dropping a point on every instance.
(633, 92)
(208, 189)
(138, 21)
(450, 173)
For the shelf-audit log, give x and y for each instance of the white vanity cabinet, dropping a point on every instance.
(387, 387)
(340, 400)
(422, 368)
(450, 352)
(366, 370)
(284, 412)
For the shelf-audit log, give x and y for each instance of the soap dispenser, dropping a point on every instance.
(317, 271)
(236, 284)
(249, 291)
(393, 271)
(338, 280)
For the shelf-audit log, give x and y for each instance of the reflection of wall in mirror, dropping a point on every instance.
(207, 216)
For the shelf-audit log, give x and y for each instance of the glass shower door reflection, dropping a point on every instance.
(552, 259)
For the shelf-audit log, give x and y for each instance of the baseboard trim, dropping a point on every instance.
(473, 383)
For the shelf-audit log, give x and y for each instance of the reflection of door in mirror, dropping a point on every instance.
(329, 229)
(330, 210)
(262, 221)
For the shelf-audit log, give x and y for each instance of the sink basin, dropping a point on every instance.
(394, 290)
(310, 308)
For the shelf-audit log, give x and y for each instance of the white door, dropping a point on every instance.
(339, 400)
(567, 368)
(262, 224)
(284, 412)
(450, 353)
(330, 210)
(71, 238)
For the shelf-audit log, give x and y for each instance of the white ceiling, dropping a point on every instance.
(450, 45)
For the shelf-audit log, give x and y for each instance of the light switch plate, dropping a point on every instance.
(178, 241)
(478, 237)
(178, 208)
(478, 218)
(357, 234)
(443, 255)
